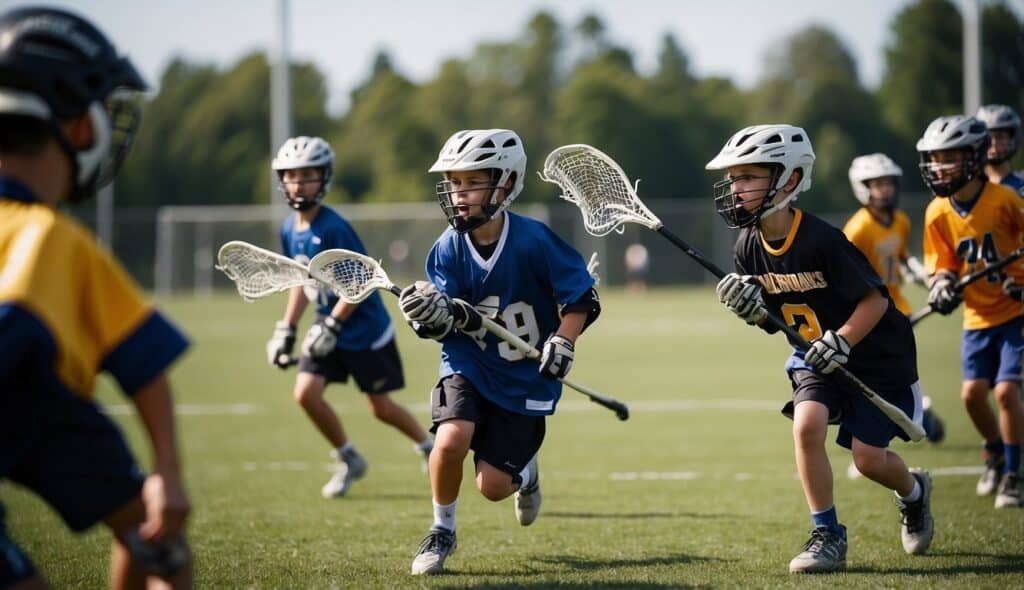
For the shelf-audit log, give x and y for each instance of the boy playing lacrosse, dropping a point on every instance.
(490, 398)
(68, 311)
(345, 339)
(881, 232)
(795, 265)
(970, 224)
(1004, 131)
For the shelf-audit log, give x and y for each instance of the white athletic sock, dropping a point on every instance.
(444, 515)
(913, 496)
(524, 477)
(427, 443)
(345, 448)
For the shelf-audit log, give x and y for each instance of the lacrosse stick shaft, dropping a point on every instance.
(913, 430)
(960, 285)
(524, 347)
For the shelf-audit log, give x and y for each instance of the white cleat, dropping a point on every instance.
(350, 468)
(434, 550)
(917, 528)
(1009, 491)
(528, 498)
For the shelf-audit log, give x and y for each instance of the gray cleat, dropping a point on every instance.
(434, 549)
(351, 467)
(528, 497)
(1009, 492)
(917, 527)
(989, 480)
(824, 552)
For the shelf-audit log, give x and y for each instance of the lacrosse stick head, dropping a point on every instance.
(596, 184)
(257, 272)
(351, 275)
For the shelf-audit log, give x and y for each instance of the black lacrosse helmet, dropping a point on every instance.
(55, 65)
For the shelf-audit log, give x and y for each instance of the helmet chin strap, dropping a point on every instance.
(781, 205)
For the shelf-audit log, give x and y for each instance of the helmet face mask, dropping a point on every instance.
(460, 211)
(299, 153)
(883, 192)
(953, 151)
(56, 66)
(875, 169)
(497, 152)
(744, 207)
(783, 149)
(1004, 127)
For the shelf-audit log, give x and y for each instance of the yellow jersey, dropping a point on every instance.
(67, 308)
(965, 239)
(885, 247)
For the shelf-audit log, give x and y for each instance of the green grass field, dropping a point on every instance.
(697, 489)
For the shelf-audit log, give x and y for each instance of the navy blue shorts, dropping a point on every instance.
(993, 353)
(856, 416)
(65, 450)
(375, 371)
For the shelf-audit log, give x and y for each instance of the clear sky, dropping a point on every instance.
(722, 37)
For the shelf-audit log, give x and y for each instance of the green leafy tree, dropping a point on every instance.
(923, 75)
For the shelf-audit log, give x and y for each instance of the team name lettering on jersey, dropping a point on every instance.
(800, 282)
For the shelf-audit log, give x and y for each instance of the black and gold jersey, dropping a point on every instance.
(814, 280)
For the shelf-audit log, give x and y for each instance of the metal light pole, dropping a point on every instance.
(972, 57)
(280, 89)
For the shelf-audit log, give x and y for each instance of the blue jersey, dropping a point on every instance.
(530, 274)
(369, 327)
(1014, 180)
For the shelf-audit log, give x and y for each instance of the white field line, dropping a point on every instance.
(566, 405)
(190, 409)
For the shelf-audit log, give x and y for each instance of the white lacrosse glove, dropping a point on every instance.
(280, 345)
(592, 269)
(742, 296)
(557, 357)
(943, 297)
(321, 338)
(915, 272)
(828, 353)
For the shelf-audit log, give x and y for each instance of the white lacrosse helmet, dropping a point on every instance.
(952, 133)
(1000, 116)
(784, 147)
(304, 152)
(500, 150)
(870, 167)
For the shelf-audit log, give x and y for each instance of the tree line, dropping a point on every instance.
(205, 135)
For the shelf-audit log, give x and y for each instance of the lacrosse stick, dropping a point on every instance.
(257, 272)
(960, 285)
(597, 185)
(354, 277)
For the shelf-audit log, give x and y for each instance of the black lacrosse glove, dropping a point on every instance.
(280, 345)
(465, 317)
(1013, 290)
(943, 296)
(557, 357)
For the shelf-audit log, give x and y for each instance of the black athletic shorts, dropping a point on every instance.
(375, 371)
(856, 416)
(504, 439)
